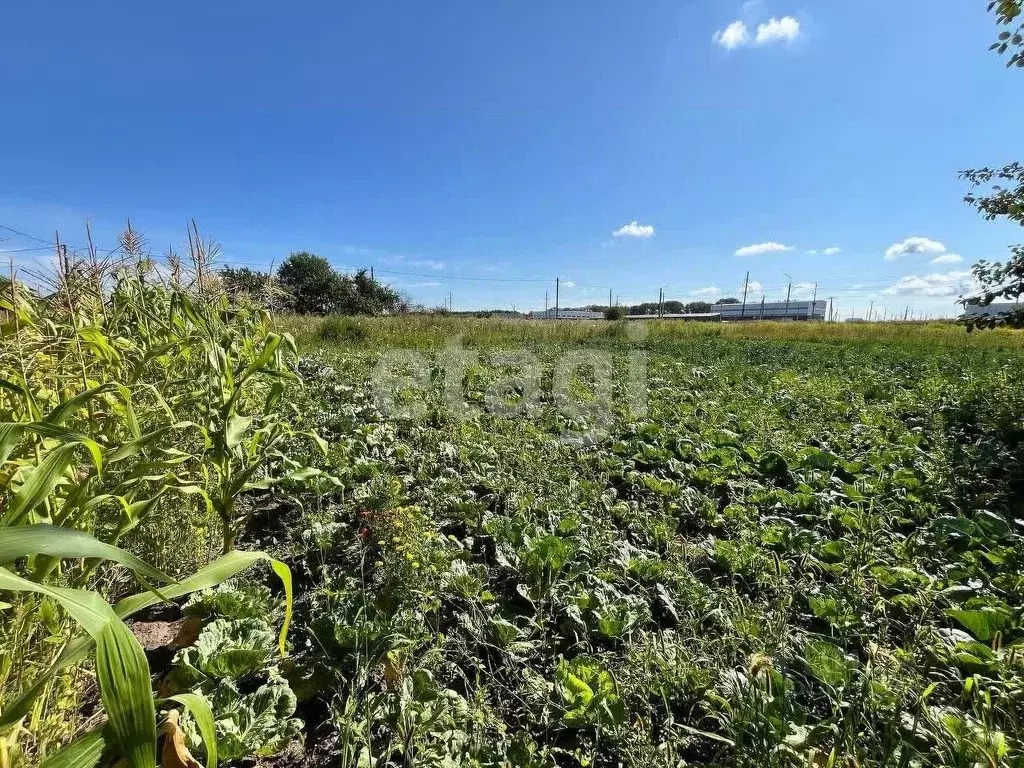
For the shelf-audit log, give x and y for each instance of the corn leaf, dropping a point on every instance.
(219, 570)
(202, 714)
(127, 694)
(235, 430)
(69, 407)
(121, 667)
(41, 481)
(83, 752)
(42, 539)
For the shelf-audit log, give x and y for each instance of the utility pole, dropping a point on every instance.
(545, 304)
(450, 304)
(609, 299)
(830, 308)
(905, 313)
(661, 302)
(885, 311)
(761, 314)
(558, 280)
(746, 282)
(814, 301)
(871, 309)
(785, 314)
(371, 272)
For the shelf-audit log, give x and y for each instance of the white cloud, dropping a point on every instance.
(428, 284)
(938, 284)
(428, 263)
(761, 248)
(733, 36)
(634, 229)
(914, 245)
(753, 287)
(802, 290)
(786, 29)
(711, 290)
(948, 258)
(568, 284)
(831, 251)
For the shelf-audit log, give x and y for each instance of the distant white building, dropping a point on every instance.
(570, 314)
(773, 310)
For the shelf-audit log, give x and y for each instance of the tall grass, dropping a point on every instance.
(439, 330)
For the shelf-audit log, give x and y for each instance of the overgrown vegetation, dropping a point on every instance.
(131, 412)
(802, 554)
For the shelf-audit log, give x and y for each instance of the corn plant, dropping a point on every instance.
(109, 421)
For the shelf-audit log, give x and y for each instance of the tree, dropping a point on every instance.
(614, 313)
(312, 284)
(242, 281)
(697, 307)
(728, 300)
(315, 288)
(1007, 12)
(998, 280)
(1002, 198)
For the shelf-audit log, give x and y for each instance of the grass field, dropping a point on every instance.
(805, 550)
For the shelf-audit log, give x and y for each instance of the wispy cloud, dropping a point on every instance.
(634, 229)
(948, 258)
(428, 284)
(426, 263)
(784, 30)
(914, 245)
(711, 290)
(759, 249)
(568, 284)
(830, 251)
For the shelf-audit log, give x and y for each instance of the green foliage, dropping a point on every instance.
(109, 431)
(226, 648)
(802, 554)
(1012, 40)
(614, 313)
(588, 692)
(231, 600)
(315, 288)
(259, 723)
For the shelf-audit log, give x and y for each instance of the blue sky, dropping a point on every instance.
(507, 142)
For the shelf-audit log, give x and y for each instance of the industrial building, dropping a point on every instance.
(992, 310)
(569, 314)
(773, 310)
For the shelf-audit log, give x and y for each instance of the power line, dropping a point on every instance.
(50, 243)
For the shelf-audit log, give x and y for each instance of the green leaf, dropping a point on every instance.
(219, 570)
(235, 430)
(826, 662)
(202, 715)
(42, 479)
(135, 447)
(42, 539)
(982, 623)
(69, 407)
(225, 649)
(266, 355)
(121, 668)
(126, 692)
(10, 436)
(83, 752)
